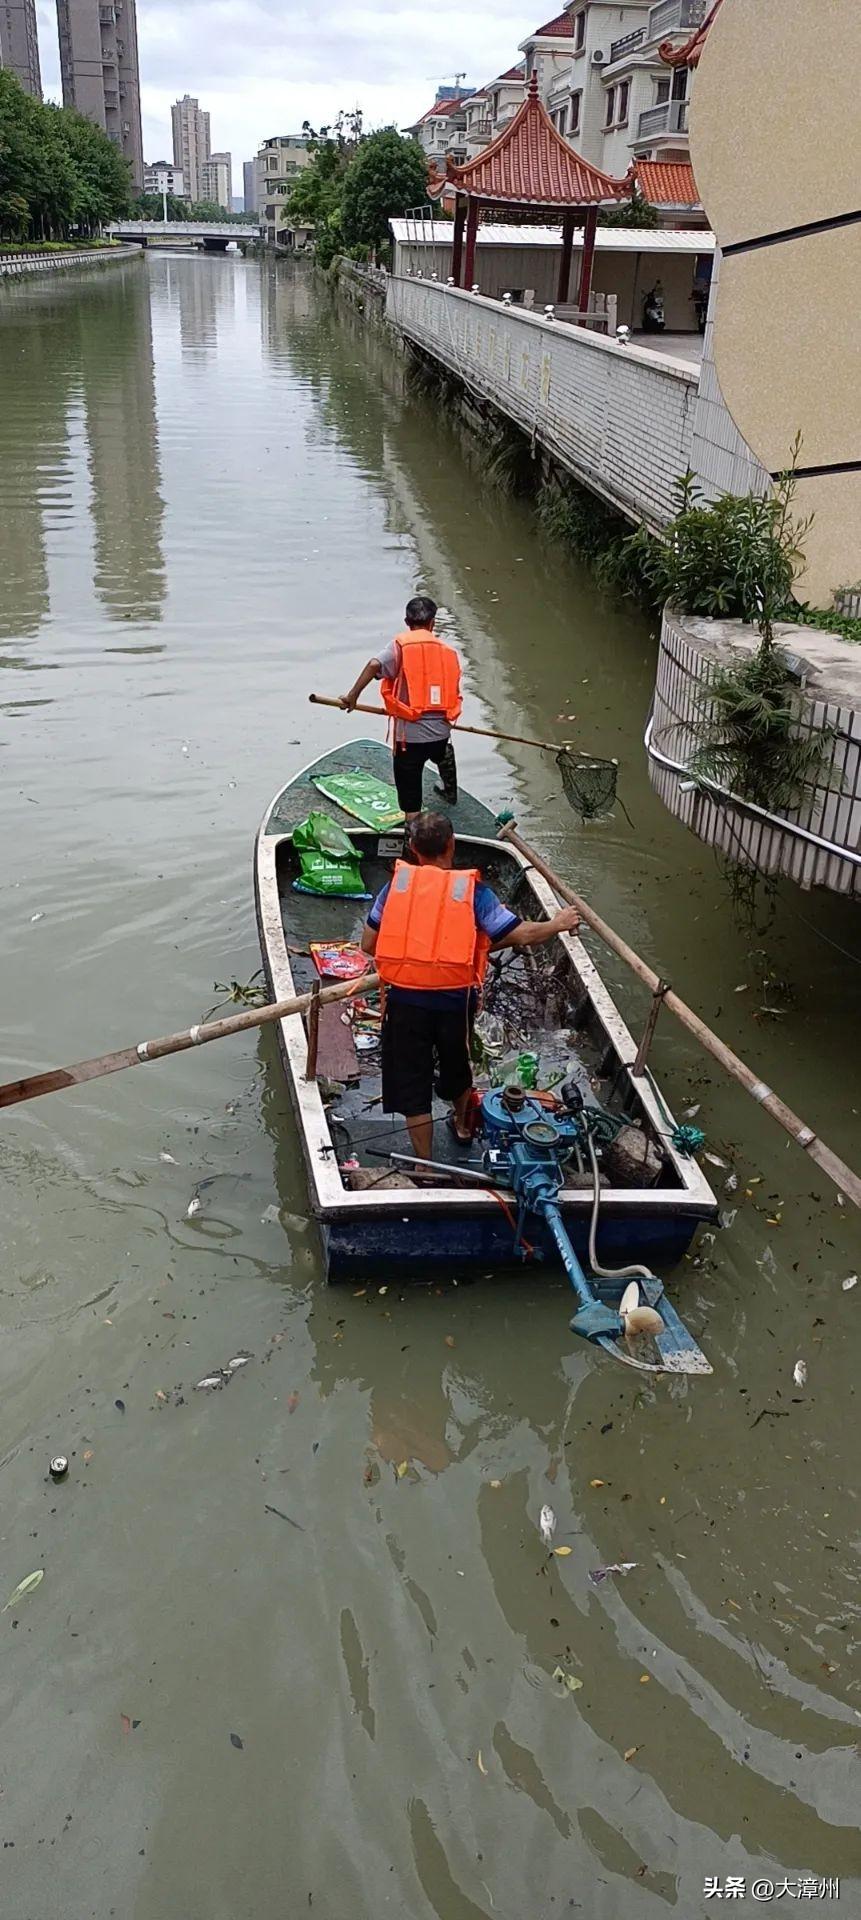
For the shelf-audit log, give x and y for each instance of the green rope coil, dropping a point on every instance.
(688, 1140)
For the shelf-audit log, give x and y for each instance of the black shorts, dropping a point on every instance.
(409, 765)
(421, 1045)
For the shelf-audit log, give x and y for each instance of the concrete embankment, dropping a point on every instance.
(16, 266)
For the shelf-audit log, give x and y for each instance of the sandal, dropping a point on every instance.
(463, 1139)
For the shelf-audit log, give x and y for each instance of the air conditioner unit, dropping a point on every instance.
(599, 57)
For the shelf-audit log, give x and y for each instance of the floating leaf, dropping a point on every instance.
(402, 1468)
(496, 1483)
(292, 1402)
(630, 1752)
(568, 1680)
(562, 1552)
(449, 1339)
(714, 1159)
(88, 1456)
(596, 1483)
(480, 1763)
(159, 1395)
(29, 1585)
(644, 1679)
(125, 1723)
(236, 1742)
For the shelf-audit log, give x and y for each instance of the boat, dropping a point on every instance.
(550, 1001)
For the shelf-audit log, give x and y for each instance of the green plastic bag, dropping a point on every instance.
(368, 799)
(328, 861)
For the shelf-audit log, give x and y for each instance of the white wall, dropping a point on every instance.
(618, 419)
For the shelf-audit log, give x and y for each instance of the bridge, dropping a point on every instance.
(212, 235)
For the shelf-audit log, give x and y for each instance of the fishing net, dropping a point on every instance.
(589, 785)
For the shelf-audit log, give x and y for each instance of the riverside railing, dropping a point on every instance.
(618, 418)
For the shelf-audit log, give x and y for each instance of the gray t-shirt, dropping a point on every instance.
(430, 727)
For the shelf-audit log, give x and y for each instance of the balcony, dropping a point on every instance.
(675, 16)
(671, 117)
(618, 48)
(107, 16)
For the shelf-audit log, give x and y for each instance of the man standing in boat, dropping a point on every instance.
(420, 689)
(430, 931)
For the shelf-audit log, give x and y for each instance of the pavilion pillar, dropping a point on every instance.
(457, 239)
(562, 289)
(589, 230)
(471, 232)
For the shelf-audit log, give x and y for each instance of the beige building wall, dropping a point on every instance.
(99, 67)
(216, 180)
(279, 164)
(19, 44)
(776, 149)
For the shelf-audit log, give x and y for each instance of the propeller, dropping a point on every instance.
(637, 1319)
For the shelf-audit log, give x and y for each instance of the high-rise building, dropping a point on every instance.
(99, 67)
(191, 142)
(216, 180)
(249, 184)
(19, 45)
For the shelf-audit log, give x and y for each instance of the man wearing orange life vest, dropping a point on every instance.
(430, 931)
(420, 677)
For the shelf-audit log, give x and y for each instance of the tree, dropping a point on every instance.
(636, 212)
(58, 172)
(387, 176)
(315, 200)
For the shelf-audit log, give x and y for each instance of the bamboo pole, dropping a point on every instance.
(487, 733)
(828, 1162)
(59, 1077)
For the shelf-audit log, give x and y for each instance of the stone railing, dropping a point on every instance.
(817, 844)
(670, 117)
(675, 16)
(618, 419)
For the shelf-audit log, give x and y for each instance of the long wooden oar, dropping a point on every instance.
(804, 1136)
(38, 1083)
(487, 733)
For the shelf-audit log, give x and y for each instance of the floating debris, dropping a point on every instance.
(222, 1376)
(714, 1159)
(850, 1283)
(731, 1183)
(193, 1207)
(799, 1373)
(24, 1587)
(570, 1681)
(547, 1525)
(597, 1574)
(59, 1467)
(168, 1159)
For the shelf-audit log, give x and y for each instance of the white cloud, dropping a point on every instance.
(262, 67)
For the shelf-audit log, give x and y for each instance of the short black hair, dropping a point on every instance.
(431, 834)
(421, 612)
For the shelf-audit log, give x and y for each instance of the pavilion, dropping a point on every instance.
(528, 172)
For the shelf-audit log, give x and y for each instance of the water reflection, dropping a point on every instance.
(118, 383)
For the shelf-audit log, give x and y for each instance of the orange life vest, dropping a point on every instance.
(427, 936)
(428, 681)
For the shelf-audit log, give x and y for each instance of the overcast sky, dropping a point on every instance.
(264, 66)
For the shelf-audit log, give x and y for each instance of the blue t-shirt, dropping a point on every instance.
(491, 918)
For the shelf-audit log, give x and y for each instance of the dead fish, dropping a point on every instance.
(168, 1159)
(239, 1360)
(547, 1525)
(192, 1208)
(212, 1382)
(691, 1112)
(714, 1159)
(597, 1574)
(850, 1283)
(799, 1373)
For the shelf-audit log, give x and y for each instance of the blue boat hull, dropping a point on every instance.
(482, 1245)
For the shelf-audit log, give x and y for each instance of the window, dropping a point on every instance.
(662, 91)
(680, 83)
(610, 113)
(580, 31)
(622, 96)
(574, 113)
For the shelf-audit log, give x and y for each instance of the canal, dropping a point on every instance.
(266, 1673)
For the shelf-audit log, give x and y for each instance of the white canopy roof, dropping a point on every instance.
(438, 233)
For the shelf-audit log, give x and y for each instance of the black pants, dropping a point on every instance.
(421, 1044)
(409, 764)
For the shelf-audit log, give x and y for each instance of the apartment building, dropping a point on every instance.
(278, 166)
(618, 100)
(19, 44)
(249, 186)
(191, 142)
(216, 180)
(100, 72)
(442, 128)
(161, 176)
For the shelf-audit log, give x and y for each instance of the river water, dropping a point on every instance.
(213, 498)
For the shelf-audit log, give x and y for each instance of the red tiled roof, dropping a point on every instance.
(511, 73)
(689, 54)
(529, 164)
(666, 183)
(562, 28)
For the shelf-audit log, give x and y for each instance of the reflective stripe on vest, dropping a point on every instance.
(428, 681)
(428, 938)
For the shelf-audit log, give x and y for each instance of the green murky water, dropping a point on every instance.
(212, 499)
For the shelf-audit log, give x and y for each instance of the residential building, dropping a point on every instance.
(618, 99)
(278, 166)
(249, 186)
(547, 52)
(216, 180)
(161, 176)
(191, 142)
(442, 128)
(19, 44)
(100, 73)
